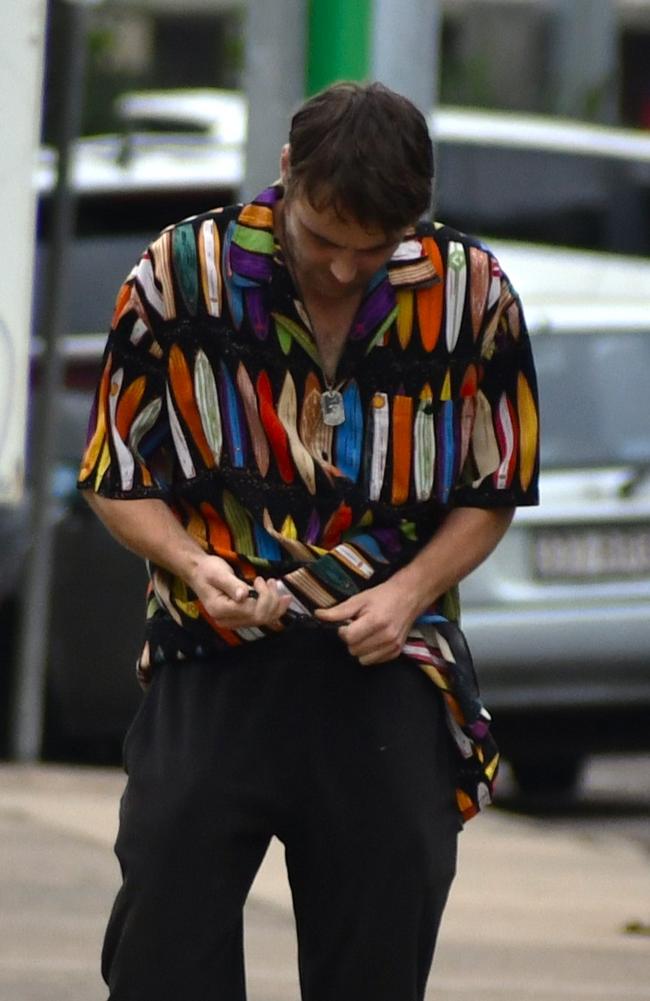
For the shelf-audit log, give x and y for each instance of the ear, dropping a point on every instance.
(285, 164)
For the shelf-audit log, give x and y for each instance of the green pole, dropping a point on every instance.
(339, 42)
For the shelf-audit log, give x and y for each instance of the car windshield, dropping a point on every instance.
(594, 399)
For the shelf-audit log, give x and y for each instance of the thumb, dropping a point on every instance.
(344, 610)
(222, 576)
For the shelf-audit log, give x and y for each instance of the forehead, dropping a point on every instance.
(325, 221)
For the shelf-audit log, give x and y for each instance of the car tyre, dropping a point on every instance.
(549, 778)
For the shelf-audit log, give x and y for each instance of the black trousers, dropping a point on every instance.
(349, 766)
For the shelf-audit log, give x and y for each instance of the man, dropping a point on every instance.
(316, 416)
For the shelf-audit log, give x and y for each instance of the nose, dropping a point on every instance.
(344, 267)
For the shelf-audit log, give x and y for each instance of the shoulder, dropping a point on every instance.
(180, 273)
(462, 255)
(444, 234)
(221, 216)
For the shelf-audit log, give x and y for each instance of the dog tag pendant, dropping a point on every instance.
(332, 409)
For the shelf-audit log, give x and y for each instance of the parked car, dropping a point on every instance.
(558, 618)
(549, 180)
(169, 140)
(91, 691)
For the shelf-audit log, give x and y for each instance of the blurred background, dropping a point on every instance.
(127, 115)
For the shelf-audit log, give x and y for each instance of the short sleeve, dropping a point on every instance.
(128, 452)
(501, 467)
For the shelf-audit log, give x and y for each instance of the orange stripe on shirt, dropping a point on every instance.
(402, 447)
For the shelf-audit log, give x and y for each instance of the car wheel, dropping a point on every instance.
(553, 777)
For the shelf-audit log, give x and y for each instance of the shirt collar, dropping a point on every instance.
(253, 248)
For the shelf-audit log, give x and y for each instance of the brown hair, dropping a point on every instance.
(364, 150)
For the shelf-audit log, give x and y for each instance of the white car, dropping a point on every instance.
(558, 618)
(181, 140)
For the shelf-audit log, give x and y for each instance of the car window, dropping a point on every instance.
(97, 267)
(595, 407)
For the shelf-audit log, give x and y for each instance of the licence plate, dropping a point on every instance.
(586, 553)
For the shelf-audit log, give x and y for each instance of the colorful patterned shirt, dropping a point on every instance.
(212, 398)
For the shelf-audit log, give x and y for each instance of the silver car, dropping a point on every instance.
(558, 618)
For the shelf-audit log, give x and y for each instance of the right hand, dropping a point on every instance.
(225, 597)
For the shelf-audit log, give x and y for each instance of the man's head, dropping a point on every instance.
(363, 151)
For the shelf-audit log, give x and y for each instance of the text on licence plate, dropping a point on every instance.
(593, 552)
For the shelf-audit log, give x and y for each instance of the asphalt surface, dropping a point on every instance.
(542, 909)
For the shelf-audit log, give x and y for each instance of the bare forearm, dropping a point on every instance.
(375, 623)
(466, 538)
(148, 528)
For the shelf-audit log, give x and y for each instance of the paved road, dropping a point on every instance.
(538, 913)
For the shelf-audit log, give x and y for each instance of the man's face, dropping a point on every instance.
(331, 257)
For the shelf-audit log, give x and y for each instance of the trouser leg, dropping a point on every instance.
(348, 765)
(373, 856)
(191, 838)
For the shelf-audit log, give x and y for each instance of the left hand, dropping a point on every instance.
(381, 619)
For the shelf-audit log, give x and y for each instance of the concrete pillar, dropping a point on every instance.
(502, 56)
(417, 26)
(274, 80)
(585, 60)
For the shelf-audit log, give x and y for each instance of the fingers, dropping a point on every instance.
(372, 643)
(266, 609)
(270, 605)
(339, 613)
(213, 573)
(380, 656)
